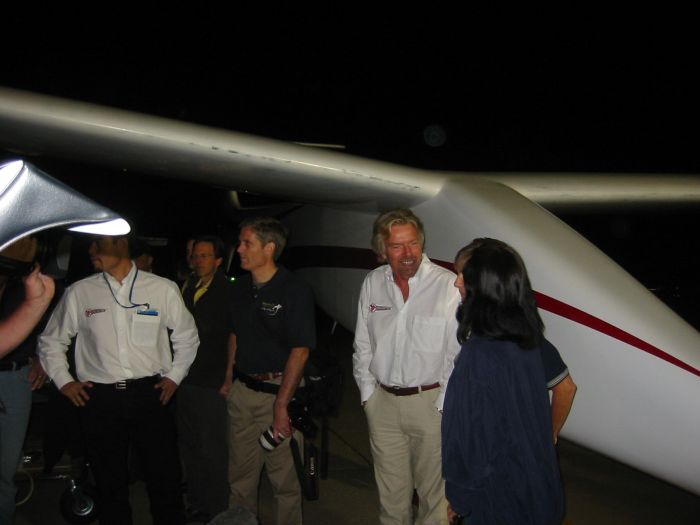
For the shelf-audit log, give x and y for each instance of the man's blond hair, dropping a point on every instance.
(384, 223)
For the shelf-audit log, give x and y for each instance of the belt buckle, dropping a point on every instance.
(396, 388)
(120, 385)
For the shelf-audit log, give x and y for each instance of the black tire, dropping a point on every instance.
(79, 506)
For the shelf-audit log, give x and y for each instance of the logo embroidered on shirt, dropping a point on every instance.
(270, 309)
(376, 308)
(94, 311)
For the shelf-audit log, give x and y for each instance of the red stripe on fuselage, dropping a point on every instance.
(364, 259)
(579, 316)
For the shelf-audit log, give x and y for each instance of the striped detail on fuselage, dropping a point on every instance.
(361, 258)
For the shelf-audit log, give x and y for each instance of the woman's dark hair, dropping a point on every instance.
(500, 303)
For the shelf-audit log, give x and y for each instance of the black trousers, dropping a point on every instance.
(202, 423)
(114, 420)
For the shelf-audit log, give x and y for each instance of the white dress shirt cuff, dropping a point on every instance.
(440, 399)
(61, 379)
(367, 389)
(176, 376)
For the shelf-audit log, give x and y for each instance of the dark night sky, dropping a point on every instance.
(565, 99)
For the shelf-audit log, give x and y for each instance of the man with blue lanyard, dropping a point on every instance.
(126, 375)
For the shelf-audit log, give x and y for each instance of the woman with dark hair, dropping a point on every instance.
(498, 454)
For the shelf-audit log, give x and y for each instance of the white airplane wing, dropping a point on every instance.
(32, 123)
(636, 362)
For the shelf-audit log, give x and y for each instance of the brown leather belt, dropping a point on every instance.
(265, 376)
(408, 391)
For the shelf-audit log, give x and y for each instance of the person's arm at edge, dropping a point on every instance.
(230, 363)
(562, 399)
(293, 370)
(37, 375)
(39, 290)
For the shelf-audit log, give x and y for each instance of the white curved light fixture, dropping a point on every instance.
(31, 201)
(115, 227)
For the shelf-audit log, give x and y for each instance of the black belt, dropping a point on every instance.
(253, 383)
(126, 384)
(7, 366)
(408, 391)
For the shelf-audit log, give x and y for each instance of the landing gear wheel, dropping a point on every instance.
(78, 504)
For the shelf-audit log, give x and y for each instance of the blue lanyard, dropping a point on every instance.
(131, 291)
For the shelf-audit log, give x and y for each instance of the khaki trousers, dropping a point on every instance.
(250, 414)
(404, 434)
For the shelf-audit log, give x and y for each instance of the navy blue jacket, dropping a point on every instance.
(498, 457)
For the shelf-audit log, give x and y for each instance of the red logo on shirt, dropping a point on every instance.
(94, 311)
(376, 308)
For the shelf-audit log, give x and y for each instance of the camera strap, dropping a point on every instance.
(307, 473)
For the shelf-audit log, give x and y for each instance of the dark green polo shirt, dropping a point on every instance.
(270, 321)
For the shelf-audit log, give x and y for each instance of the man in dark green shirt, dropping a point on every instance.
(273, 332)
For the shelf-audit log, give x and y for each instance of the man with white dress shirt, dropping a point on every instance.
(405, 346)
(126, 375)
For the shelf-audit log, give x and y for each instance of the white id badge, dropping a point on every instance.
(145, 327)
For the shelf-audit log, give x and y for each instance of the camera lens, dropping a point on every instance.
(267, 441)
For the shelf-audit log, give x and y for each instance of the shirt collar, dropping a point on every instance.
(127, 279)
(211, 281)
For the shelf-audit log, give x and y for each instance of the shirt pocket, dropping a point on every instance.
(145, 329)
(427, 334)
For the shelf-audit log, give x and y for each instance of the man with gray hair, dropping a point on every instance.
(405, 346)
(272, 332)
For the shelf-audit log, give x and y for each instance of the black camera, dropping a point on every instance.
(50, 249)
(301, 419)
